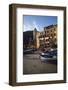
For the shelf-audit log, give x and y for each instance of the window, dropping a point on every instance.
(54, 34)
(51, 30)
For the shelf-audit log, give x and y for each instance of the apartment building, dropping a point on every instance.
(48, 38)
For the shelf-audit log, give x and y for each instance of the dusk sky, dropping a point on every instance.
(38, 22)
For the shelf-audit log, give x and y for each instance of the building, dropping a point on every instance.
(44, 39)
(36, 35)
(27, 39)
(30, 39)
(48, 38)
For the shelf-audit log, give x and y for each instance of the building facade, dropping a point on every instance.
(48, 38)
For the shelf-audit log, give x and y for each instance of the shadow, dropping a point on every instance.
(6, 83)
(51, 61)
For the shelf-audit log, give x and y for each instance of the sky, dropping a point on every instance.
(38, 22)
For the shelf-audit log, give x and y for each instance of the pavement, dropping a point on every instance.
(32, 64)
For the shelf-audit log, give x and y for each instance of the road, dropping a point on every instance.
(32, 64)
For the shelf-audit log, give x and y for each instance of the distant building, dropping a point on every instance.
(30, 39)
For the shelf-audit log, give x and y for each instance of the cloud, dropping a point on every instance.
(28, 27)
(31, 26)
(35, 25)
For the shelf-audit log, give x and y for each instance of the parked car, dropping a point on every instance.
(49, 55)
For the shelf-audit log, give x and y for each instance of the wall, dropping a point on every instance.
(4, 44)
